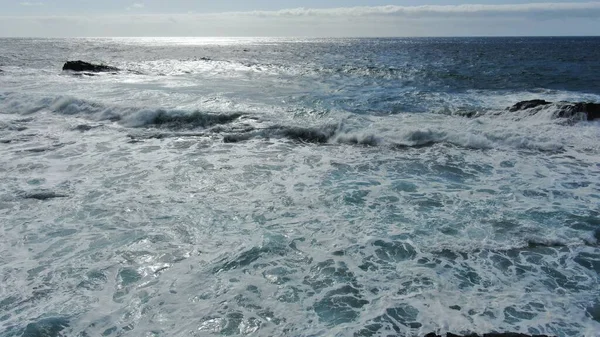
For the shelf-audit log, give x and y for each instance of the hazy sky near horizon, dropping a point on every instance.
(318, 18)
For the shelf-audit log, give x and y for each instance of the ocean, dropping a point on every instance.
(299, 187)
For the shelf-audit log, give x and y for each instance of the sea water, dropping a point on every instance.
(298, 187)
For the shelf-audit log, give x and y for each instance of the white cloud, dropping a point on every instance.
(31, 4)
(136, 5)
(563, 9)
(577, 18)
(559, 8)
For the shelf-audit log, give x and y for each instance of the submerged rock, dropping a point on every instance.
(563, 109)
(80, 66)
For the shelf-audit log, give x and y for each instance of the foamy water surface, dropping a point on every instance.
(281, 187)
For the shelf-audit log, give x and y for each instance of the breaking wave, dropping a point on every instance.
(540, 129)
(127, 116)
(401, 139)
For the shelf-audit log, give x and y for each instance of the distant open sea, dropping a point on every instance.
(298, 187)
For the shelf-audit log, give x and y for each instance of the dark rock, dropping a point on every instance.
(524, 105)
(564, 109)
(85, 66)
(591, 110)
(48, 327)
(456, 307)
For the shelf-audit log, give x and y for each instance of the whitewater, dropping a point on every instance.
(298, 187)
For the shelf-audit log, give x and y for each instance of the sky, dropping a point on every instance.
(297, 18)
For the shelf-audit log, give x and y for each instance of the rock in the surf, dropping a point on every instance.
(590, 111)
(524, 105)
(80, 66)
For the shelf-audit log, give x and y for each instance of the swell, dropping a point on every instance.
(337, 134)
(403, 138)
(181, 120)
(540, 110)
(126, 116)
(395, 132)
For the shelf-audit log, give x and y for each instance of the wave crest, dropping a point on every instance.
(127, 116)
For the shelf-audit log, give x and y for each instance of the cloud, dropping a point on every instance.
(136, 5)
(31, 4)
(563, 9)
(577, 18)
